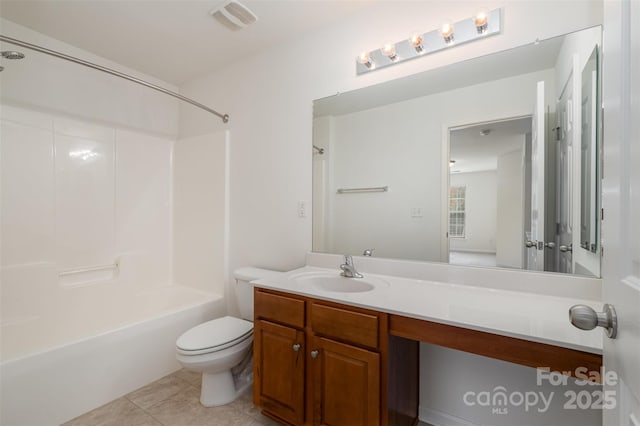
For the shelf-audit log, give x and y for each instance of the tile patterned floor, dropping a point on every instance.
(172, 401)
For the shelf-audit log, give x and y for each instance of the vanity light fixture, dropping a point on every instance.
(447, 32)
(452, 34)
(389, 50)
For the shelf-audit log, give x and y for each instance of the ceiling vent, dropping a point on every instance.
(234, 15)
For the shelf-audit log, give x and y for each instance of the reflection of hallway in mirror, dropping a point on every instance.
(470, 258)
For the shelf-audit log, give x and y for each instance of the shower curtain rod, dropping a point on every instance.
(224, 117)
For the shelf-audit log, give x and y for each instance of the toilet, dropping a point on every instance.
(220, 349)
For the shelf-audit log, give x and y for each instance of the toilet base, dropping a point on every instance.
(221, 388)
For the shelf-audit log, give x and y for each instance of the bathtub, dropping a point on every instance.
(55, 367)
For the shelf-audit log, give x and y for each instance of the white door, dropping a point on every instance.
(535, 238)
(621, 203)
(564, 178)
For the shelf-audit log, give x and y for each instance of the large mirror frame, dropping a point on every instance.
(386, 158)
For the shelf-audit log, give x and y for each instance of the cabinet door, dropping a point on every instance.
(346, 384)
(279, 371)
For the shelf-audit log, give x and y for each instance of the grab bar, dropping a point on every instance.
(88, 269)
(354, 190)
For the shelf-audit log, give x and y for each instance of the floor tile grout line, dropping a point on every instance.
(142, 409)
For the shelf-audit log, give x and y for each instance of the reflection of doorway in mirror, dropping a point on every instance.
(564, 136)
(488, 161)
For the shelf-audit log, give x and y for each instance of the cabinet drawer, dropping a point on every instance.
(280, 309)
(342, 324)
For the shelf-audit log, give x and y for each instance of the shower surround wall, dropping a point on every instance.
(92, 174)
(77, 195)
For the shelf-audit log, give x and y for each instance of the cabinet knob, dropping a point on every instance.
(296, 347)
(314, 354)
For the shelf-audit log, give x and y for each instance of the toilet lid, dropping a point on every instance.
(215, 335)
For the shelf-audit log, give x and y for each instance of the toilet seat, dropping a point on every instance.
(214, 336)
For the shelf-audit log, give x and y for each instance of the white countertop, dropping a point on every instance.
(524, 315)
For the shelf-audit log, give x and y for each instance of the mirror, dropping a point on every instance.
(389, 159)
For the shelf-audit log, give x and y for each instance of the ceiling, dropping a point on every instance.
(474, 152)
(173, 40)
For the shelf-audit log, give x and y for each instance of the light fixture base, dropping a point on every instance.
(465, 31)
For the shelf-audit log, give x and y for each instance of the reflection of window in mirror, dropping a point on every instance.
(457, 211)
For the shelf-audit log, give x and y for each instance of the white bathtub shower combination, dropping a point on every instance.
(56, 367)
(105, 260)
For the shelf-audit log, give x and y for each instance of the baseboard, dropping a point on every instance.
(439, 418)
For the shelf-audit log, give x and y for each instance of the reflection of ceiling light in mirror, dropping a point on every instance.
(83, 154)
(485, 132)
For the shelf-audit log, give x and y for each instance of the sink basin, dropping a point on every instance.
(337, 283)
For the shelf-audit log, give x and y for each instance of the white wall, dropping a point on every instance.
(510, 239)
(481, 211)
(450, 374)
(199, 194)
(269, 98)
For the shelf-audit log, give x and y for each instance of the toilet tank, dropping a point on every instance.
(244, 290)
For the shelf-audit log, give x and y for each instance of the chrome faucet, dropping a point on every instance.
(348, 269)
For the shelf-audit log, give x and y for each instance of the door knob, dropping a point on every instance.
(530, 244)
(314, 354)
(586, 318)
(296, 347)
(565, 249)
(550, 245)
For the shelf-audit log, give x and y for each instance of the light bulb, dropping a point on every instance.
(365, 59)
(481, 21)
(447, 32)
(389, 49)
(416, 41)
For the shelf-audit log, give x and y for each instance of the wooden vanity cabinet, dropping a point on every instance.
(279, 370)
(335, 376)
(345, 384)
(279, 356)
